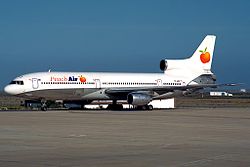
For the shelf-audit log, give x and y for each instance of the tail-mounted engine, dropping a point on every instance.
(172, 64)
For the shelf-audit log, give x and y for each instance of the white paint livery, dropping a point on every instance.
(180, 77)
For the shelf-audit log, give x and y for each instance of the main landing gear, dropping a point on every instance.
(115, 106)
(43, 105)
(144, 107)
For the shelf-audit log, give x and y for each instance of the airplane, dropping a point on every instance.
(180, 77)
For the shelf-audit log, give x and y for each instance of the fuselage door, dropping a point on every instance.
(159, 82)
(97, 83)
(35, 83)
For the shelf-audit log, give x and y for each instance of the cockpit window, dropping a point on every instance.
(17, 82)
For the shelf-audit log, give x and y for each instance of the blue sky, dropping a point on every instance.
(123, 36)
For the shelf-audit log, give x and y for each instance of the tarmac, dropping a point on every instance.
(178, 137)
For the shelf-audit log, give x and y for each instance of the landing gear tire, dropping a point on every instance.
(150, 107)
(145, 107)
(115, 107)
(43, 106)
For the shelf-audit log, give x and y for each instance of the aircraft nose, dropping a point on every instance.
(7, 89)
(10, 89)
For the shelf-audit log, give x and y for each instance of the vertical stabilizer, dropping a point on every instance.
(203, 56)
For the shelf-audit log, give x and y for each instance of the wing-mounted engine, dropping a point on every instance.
(138, 99)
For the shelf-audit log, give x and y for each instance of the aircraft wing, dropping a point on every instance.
(163, 89)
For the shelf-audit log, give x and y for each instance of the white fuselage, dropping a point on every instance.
(85, 85)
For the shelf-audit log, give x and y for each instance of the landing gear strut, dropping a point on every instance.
(82, 106)
(115, 106)
(43, 105)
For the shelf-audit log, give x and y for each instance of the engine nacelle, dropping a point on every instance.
(138, 99)
(172, 64)
(163, 65)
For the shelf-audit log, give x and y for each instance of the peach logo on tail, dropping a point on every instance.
(205, 56)
(82, 79)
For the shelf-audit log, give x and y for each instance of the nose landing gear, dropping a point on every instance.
(43, 105)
